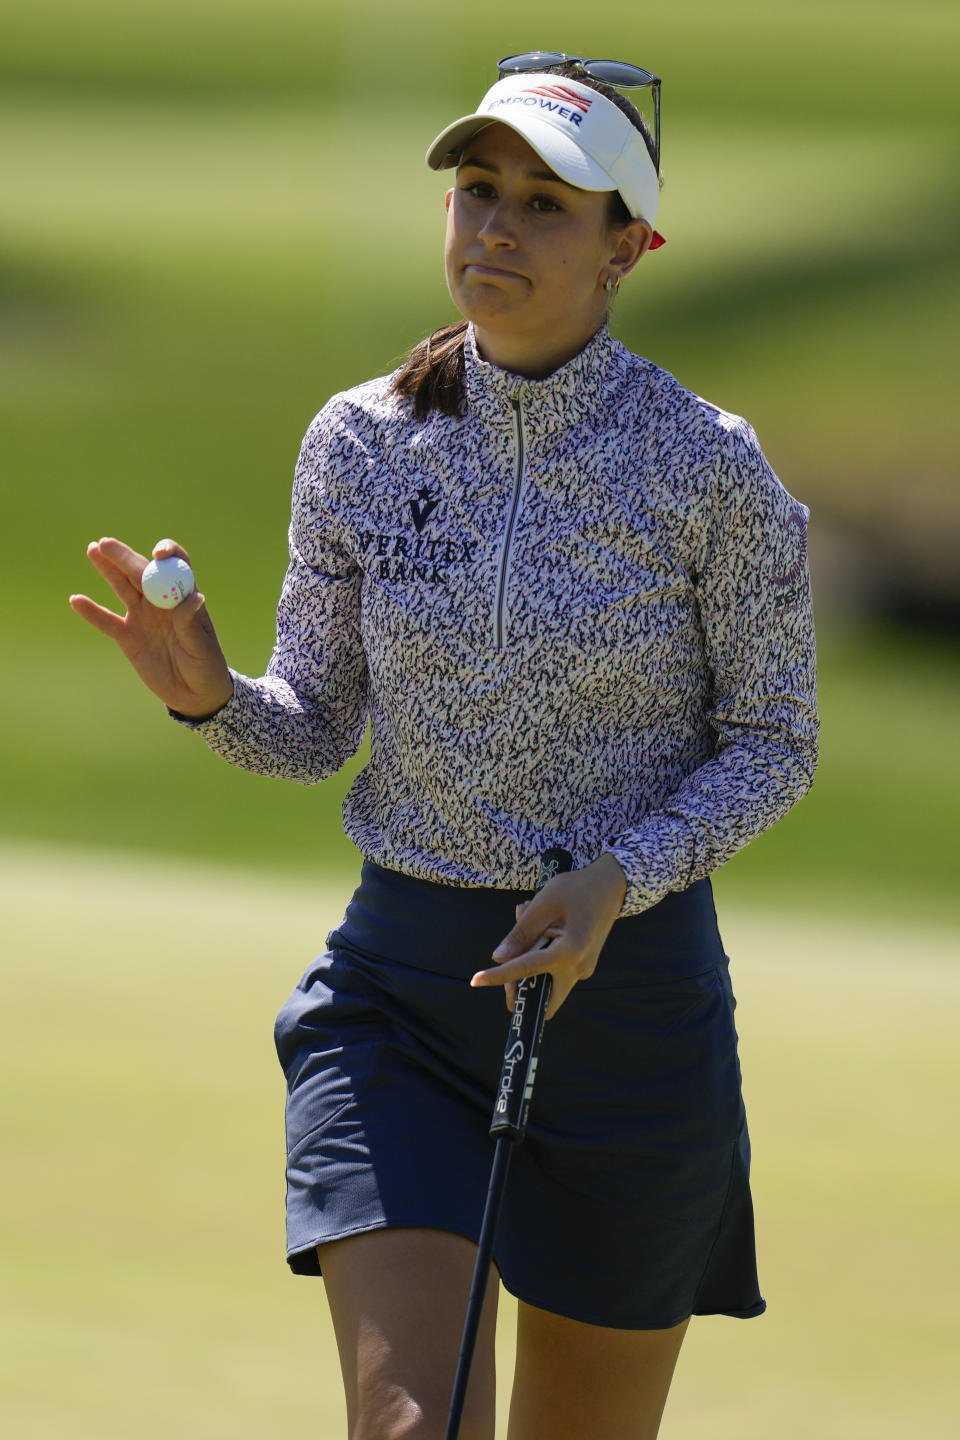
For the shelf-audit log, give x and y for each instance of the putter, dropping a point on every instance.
(507, 1128)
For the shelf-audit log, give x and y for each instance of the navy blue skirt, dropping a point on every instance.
(627, 1205)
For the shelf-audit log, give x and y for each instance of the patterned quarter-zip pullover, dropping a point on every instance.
(578, 616)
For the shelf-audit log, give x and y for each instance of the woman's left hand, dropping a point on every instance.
(574, 912)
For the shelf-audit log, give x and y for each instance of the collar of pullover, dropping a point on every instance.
(559, 400)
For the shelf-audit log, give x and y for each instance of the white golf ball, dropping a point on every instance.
(166, 582)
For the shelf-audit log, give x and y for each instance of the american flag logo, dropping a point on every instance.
(561, 93)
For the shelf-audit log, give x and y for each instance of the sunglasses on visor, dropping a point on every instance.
(613, 72)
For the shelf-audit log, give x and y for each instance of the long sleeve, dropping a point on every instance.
(306, 716)
(754, 602)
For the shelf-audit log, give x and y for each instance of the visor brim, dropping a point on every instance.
(564, 157)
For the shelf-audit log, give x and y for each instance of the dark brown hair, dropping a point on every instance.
(432, 374)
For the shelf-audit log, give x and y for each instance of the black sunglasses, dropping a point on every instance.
(613, 72)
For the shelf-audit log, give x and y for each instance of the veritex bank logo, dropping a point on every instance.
(422, 506)
(426, 559)
(557, 99)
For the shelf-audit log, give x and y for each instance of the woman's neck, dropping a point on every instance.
(534, 357)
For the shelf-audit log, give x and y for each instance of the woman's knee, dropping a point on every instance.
(398, 1300)
(406, 1419)
(401, 1397)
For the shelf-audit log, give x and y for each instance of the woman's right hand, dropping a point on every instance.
(176, 652)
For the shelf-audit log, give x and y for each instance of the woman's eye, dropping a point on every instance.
(480, 189)
(546, 205)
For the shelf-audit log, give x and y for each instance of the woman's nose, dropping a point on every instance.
(499, 226)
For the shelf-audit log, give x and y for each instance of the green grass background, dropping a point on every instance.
(213, 216)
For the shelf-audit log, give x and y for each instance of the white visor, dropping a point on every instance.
(582, 136)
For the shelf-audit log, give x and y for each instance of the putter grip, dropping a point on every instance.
(519, 1068)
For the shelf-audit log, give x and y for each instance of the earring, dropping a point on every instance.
(611, 284)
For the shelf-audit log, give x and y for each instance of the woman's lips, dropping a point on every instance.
(491, 270)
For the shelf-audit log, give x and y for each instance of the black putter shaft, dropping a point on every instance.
(508, 1126)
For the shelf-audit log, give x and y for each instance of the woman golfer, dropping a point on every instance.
(570, 599)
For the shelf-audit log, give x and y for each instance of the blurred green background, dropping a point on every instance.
(216, 214)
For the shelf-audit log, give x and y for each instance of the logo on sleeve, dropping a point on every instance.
(791, 581)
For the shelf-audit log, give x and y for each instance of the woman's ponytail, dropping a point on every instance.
(432, 374)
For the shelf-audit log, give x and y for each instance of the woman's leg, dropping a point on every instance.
(575, 1381)
(398, 1300)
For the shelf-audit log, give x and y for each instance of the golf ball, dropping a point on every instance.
(166, 582)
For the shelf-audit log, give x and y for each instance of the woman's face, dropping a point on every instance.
(527, 254)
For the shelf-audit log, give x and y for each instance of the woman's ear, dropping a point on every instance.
(633, 242)
(448, 198)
